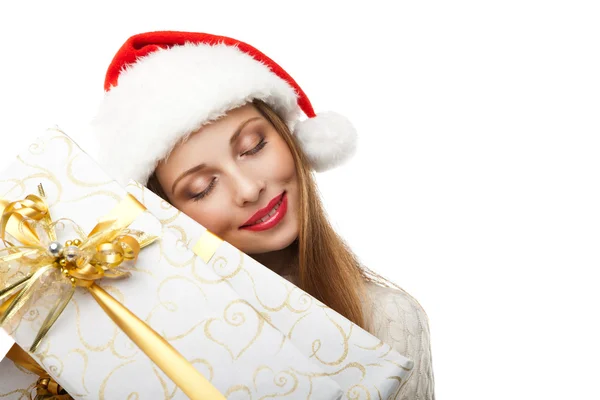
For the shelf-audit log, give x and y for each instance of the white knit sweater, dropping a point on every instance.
(400, 321)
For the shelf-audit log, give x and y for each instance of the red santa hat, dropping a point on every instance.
(163, 86)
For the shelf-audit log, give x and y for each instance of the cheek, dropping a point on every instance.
(281, 163)
(215, 218)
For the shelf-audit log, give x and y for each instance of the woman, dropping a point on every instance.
(212, 125)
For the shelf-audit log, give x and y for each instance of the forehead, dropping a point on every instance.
(212, 138)
(228, 123)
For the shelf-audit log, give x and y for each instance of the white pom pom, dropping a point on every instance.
(328, 140)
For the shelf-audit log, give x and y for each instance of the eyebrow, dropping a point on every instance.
(238, 131)
(198, 167)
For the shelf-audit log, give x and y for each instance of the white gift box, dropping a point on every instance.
(363, 366)
(229, 342)
(15, 383)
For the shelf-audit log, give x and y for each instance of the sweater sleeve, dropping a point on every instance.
(400, 321)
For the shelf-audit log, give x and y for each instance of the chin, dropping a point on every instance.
(266, 245)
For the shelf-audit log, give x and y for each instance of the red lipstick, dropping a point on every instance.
(268, 216)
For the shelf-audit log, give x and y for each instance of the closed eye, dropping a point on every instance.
(257, 148)
(206, 191)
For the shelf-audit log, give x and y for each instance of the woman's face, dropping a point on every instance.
(237, 178)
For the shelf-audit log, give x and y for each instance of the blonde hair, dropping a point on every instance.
(325, 266)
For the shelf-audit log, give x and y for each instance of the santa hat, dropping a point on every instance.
(163, 86)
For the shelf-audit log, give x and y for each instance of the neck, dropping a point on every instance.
(282, 262)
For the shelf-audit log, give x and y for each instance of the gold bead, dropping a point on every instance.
(73, 281)
(68, 243)
(65, 272)
(76, 242)
(63, 262)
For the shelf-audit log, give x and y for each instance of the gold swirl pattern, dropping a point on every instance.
(352, 365)
(37, 147)
(17, 183)
(52, 364)
(218, 265)
(169, 219)
(238, 388)
(16, 382)
(379, 345)
(122, 345)
(266, 307)
(79, 182)
(106, 193)
(202, 361)
(280, 380)
(179, 264)
(170, 306)
(305, 300)
(24, 393)
(62, 137)
(163, 384)
(181, 234)
(399, 380)
(85, 359)
(237, 319)
(388, 351)
(21, 184)
(378, 394)
(82, 339)
(31, 315)
(354, 393)
(345, 339)
(399, 365)
(139, 191)
(46, 176)
(104, 384)
(165, 205)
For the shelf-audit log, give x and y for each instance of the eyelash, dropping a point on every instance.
(205, 191)
(257, 148)
(253, 151)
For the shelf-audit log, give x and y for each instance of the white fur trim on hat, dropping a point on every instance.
(171, 93)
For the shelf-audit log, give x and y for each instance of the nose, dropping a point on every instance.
(248, 187)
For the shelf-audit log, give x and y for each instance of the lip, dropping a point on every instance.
(273, 220)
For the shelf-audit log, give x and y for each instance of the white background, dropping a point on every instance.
(476, 184)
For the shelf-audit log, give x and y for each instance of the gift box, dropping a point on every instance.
(361, 364)
(93, 351)
(15, 383)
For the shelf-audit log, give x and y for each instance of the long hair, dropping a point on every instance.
(325, 266)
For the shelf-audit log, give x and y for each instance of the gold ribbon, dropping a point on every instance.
(102, 254)
(206, 246)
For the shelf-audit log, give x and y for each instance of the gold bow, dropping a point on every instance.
(79, 262)
(103, 253)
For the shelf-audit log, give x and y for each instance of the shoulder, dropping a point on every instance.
(399, 320)
(396, 305)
